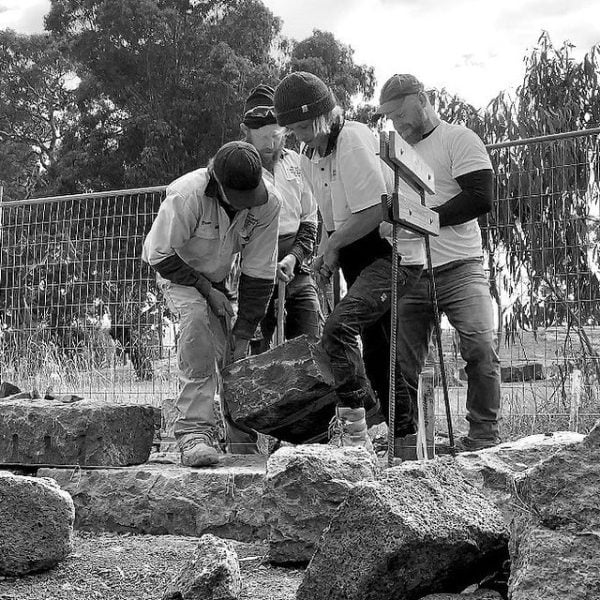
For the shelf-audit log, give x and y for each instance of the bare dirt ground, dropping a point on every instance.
(140, 567)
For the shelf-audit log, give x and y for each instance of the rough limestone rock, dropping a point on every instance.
(169, 499)
(85, 433)
(555, 537)
(285, 392)
(304, 487)
(421, 529)
(493, 470)
(36, 524)
(213, 573)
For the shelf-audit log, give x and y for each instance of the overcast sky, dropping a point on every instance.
(474, 48)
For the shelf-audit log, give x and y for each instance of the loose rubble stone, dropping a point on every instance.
(8, 389)
(36, 524)
(169, 499)
(524, 372)
(421, 529)
(285, 392)
(493, 470)
(84, 433)
(304, 487)
(555, 545)
(213, 573)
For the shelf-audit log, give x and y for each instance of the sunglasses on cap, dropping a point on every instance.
(260, 112)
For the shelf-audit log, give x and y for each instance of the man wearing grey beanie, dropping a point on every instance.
(341, 162)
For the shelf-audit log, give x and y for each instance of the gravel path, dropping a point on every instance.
(139, 567)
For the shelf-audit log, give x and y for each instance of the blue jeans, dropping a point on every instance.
(464, 296)
(302, 308)
(365, 304)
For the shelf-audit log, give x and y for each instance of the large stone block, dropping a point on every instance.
(36, 524)
(225, 500)
(555, 547)
(285, 392)
(304, 487)
(493, 471)
(421, 529)
(85, 433)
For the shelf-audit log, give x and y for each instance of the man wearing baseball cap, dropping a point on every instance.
(341, 162)
(297, 220)
(207, 218)
(464, 191)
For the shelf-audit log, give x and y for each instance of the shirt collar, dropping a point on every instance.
(336, 129)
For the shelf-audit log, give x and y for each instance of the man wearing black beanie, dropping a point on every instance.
(341, 162)
(297, 219)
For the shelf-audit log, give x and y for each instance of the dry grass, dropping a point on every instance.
(139, 567)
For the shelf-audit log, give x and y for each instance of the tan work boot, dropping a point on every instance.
(349, 428)
(198, 450)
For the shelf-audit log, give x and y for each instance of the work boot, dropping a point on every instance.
(349, 428)
(198, 450)
(466, 443)
(374, 416)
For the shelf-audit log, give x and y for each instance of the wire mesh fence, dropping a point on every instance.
(78, 308)
(542, 241)
(79, 312)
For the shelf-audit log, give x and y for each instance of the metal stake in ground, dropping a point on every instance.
(280, 335)
(407, 164)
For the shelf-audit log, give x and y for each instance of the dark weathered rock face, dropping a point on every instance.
(213, 573)
(421, 529)
(36, 524)
(493, 470)
(169, 499)
(476, 595)
(555, 545)
(304, 487)
(285, 392)
(85, 433)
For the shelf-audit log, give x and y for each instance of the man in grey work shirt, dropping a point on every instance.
(208, 217)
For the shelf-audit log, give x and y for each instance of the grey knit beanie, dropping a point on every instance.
(301, 96)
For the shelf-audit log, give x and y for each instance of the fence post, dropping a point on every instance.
(575, 400)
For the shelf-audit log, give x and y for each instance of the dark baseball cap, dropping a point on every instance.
(395, 88)
(238, 167)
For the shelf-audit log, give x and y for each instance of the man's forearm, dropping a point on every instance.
(474, 200)
(357, 226)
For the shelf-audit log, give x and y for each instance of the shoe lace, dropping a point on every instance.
(200, 438)
(337, 429)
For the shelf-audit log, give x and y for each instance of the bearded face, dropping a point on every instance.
(269, 141)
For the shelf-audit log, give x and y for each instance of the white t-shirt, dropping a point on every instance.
(451, 151)
(351, 179)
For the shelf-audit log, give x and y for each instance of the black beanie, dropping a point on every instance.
(301, 96)
(261, 97)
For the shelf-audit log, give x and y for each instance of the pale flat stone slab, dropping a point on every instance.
(84, 433)
(225, 500)
(36, 524)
